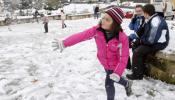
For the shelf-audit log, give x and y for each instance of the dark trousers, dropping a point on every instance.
(129, 64)
(36, 19)
(96, 15)
(130, 38)
(109, 85)
(63, 24)
(46, 27)
(138, 59)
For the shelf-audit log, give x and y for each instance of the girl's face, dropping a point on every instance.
(106, 22)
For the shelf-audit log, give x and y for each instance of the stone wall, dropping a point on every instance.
(162, 66)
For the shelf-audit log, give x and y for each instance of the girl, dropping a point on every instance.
(63, 18)
(112, 48)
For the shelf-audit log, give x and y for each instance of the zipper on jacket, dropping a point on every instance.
(107, 54)
(106, 43)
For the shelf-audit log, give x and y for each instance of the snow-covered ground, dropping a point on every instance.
(31, 70)
(68, 9)
(81, 8)
(2, 18)
(73, 8)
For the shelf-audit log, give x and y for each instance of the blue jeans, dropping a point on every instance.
(109, 85)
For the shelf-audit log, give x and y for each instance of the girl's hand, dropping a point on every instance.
(115, 77)
(58, 45)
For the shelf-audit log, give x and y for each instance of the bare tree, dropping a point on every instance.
(53, 3)
(38, 4)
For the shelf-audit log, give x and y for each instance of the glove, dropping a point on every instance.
(115, 77)
(136, 43)
(58, 45)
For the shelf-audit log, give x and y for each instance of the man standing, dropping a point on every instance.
(96, 12)
(63, 18)
(36, 15)
(173, 3)
(8, 20)
(160, 7)
(45, 20)
(154, 38)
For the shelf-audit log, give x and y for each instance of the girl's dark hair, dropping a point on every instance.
(149, 9)
(115, 29)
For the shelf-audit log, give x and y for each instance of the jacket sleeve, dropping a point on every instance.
(124, 55)
(131, 25)
(155, 25)
(79, 37)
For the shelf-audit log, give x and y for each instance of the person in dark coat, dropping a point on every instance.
(36, 16)
(96, 12)
(8, 21)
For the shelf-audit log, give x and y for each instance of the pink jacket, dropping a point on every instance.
(112, 55)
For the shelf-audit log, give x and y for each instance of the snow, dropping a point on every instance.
(131, 4)
(24, 17)
(2, 18)
(31, 70)
(69, 9)
(85, 8)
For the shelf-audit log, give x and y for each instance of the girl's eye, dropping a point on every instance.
(107, 19)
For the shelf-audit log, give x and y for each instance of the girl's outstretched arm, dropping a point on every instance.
(79, 37)
(74, 39)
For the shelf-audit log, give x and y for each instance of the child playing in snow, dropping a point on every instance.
(8, 21)
(112, 48)
(45, 20)
(63, 18)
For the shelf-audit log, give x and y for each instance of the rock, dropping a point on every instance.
(162, 66)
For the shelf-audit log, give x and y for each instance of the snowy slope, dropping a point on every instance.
(82, 8)
(30, 70)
